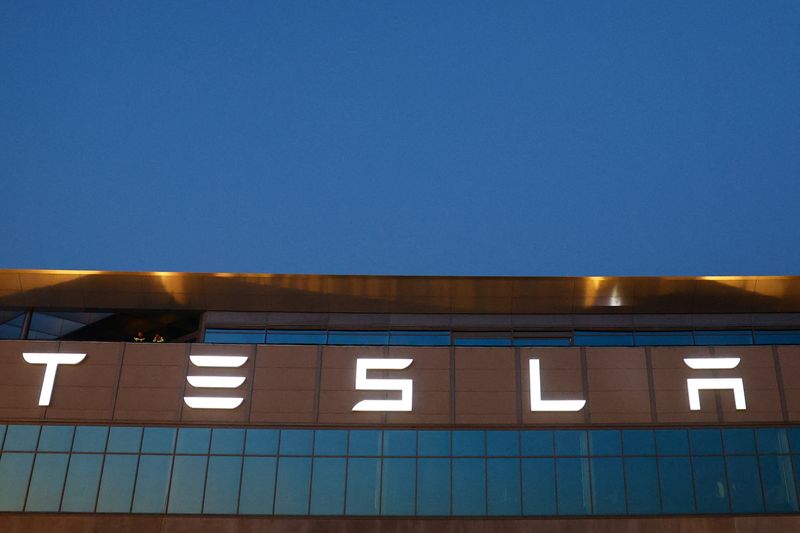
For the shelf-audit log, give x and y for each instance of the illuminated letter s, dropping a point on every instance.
(365, 383)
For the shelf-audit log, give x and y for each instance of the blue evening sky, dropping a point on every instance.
(376, 137)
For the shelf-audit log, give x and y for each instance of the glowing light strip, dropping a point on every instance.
(215, 382)
(712, 363)
(211, 402)
(219, 361)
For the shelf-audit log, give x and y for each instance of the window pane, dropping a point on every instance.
(608, 486)
(744, 484)
(188, 480)
(116, 487)
(158, 440)
(90, 439)
(400, 442)
(722, 338)
(296, 441)
(672, 442)
(537, 443)
(258, 485)
(638, 442)
(677, 495)
(482, 341)
(433, 487)
(21, 438)
(738, 441)
(262, 442)
(15, 468)
(365, 442)
(469, 487)
(539, 487)
(49, 470)
(363, 486)
(641, 478)
(222, 485)
(705, 442)
(358, 338)
(233, 336)
(227, 441)
(605, 442)
(83, 478)
(330, 442)
(503, 487)
(279, 336)
(294, 477)
(780, 495)
(434, 443)
(571, 443)
(572, 478)
(420, 338)
(193, 440)
(56, 438)
(543, 341)
(327, 486)
(124, 439)
(602, 338)
(469, 443)
(710, 485)
(778, 337)
(772, 440)
(397, 492)
(2, 435)
(664, 338)
(152, 482)
(502, 443)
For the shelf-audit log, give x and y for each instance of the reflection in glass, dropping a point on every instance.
(294, 477)
(116, 486)
(538, 487)
(222, 485)
(397, 489)
(503, 487)
(83, 479)
(363, 486)
(433, 487)
(258, 485)
(186, 488)
(152, 482)
(327, 486)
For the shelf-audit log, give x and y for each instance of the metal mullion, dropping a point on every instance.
(69, 463)
(102, 468)
(311, 476)
(521, 484)
(205, 477)
(277, 466)
(136, 472)
(416, 470)
(346, 471)
(33, 466)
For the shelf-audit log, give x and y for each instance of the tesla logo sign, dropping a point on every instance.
(209, 385)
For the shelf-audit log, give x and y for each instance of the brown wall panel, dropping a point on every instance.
(284, 387)
(561, 378)
(618, 389)
(139, 397)
(20, 382)
(486, 386)
(757, 370)
(430, 372)
(669, 380)
(789, 358)
(337, 394)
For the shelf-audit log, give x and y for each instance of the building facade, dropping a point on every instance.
(377, 403)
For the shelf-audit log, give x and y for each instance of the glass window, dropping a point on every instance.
(124, 439)
(723, 338)
(152, 482)
(258, 485)
(794, 438)
(90, 439)
(780, 494)
(503, 487)
(222, 484)
(21, 438)
(502, 443)
(397, 489)
(538, 487)
(572, 483)
(482, 341)
(2, 435)
(537, 443)
(772, 440)
(608, 486)
(605, 442)
(327, 485)
(365, 442)
(158, 440)
(330, 442)
(664, 338)
(262, 442)
(739, 441)
(778, 337)
(433, 487)
(49, 470)
(188, 480)
(469, 487)
(543, 341)
(434, 443)
(419, 338)
(672, 442)
(11, 328)
(298, 336)
(641, 479)
(677, 495)
(469, 443)
(710, 485)
(193, 440)
(358, 338)
(571, 442)
(400, 443)
(83, 479)
(705, 441)
(603, 338)
(296, 441)
(294, 478)
(744, 484)
(363, 486)
(638, 442)
(56, 438)
(15, 468)
(116, 486)
(227, 441)
(235, 336)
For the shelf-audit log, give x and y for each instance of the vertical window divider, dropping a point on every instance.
(311, 473)
(277, 466)
(69, 463)
(102, 468)
(346, 470)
